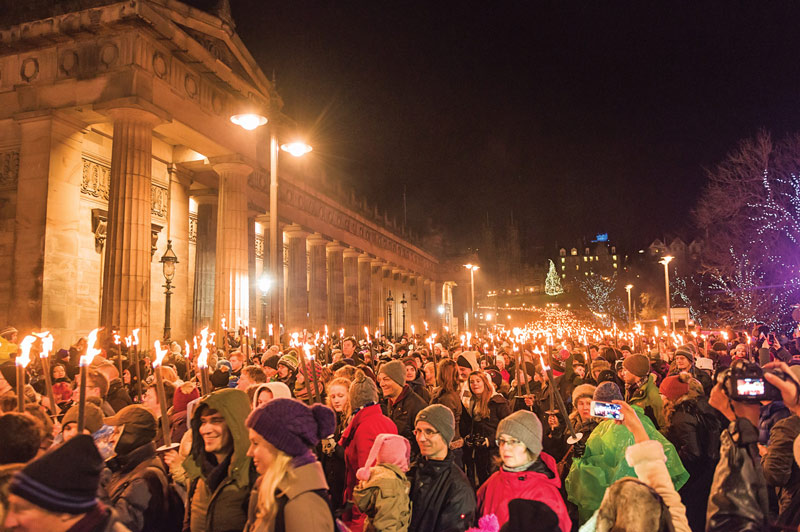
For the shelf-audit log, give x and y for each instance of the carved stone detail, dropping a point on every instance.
(9, 169)
(259, 246)
(29, 69)
(159, 200)
(96, 179)
(193, 228)
(69, 62)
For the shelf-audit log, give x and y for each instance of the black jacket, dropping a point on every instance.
(485, 427)
(781, 471)
(441, 496)
(118, 396)
(404, 413)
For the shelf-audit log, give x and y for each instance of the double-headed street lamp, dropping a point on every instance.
(665, 261)
(403, 304)
(251, 121)
(389, 305)
(630, 313)
(472, 268)
(168, 262)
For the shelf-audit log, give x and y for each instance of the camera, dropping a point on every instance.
(475, 440)
(606, 410)
(744, 382)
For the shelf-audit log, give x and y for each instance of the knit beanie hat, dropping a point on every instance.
(607, 392)
(291, 426)
(606, 376)
(720, 347)
(363, 390)
(637, 364)
(220, 378)
(289, 360)
(140, 427)
(524, 426)
(468, 359)
(92, 417)
(582, 390)
(386, 449)
(271, 361)
(441, 418)
(184, 394)
(599, 364)
(64, 479)
(684, 351)
(395, 370)
(676, 386)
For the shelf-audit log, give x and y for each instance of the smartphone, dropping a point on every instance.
(750, 387)
(606, 410)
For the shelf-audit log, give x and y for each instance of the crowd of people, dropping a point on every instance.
(407, 435)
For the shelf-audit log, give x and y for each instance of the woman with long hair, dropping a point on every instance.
(332, 455)
(291, 493)
(446, 393)
(479, 420)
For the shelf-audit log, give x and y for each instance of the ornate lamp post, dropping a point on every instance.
(389, 304)
(665, 261)
(168, 262)
(403, 304)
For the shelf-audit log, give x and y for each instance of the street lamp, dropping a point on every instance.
(472, 268)
(168, 262)
(251, 121)
(403, 304)
(665, 261)
(628, 289)
(389, 304)
(264, 286)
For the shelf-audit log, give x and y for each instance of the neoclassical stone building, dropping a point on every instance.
(115, 137)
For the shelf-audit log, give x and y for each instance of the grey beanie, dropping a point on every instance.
(395, 370)
(362, 391)
(524, 426)
(441, 418)
(606, 392)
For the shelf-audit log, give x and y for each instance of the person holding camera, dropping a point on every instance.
(739, 499)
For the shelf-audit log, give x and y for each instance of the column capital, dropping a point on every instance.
(134, 108)
(295, 231)
(350, 253)
(316, 239)
(233, 164)
(335, 246)
(377, 261)
(365, 257)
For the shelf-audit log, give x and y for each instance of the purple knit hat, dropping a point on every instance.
(291, 426)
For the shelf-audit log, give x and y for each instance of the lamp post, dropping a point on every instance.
(168, 262)
(389, 304)
(264, 285)
(665, 261)
(471, 268)
(628, 289)
(403, 304)
(250, 121)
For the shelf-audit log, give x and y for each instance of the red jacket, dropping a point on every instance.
(357, 440)
(502, 486)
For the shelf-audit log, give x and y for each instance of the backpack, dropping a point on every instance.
(280, 520)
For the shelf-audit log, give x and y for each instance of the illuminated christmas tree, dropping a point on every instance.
(552, 285)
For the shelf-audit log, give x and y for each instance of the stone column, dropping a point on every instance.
(252, 318)
(47, 279)
(205, 261)
(387, 288)
(430, 311)
(335, 286)
(126, 276)
(351, 312)
(232, 287)
(296, 279)
(318, 282)
(365, 294)
(376, 294)
(181, 301)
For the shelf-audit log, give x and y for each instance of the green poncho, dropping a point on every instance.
(604, 463)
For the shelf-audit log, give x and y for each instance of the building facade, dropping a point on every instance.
(115, 138)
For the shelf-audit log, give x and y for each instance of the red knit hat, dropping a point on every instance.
(184, 394)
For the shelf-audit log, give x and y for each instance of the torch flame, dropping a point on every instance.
(160, 354)
(25, 351)
(186, 346)
(47, 343)
(136, 337)
(202, 358)
(92, 351)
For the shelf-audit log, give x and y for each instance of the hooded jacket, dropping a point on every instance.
(384, 498)
(781, 470)
(647, 396)
(540, 482)
(218, 493)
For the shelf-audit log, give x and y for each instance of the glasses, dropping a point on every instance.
(428, 433)
(511, 443)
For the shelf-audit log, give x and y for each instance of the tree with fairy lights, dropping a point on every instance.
(552, 284)
(598, 294)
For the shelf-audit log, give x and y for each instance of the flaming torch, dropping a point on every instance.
(44, 355)
(86, 359)
(162, 397)
(21, 363)
(135, 345)
(574, 437)
(202, 363)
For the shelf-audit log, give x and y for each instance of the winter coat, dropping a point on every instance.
(738, 501)
(100, 519)
(334, 466)
(357, 440)
(442, 499)
(781, 471)
(472, 424)
(117, 395)
(648, 461)
(384, 498)
(178, 426)
(304, 509)
(403, 411)
(694, 429)
(419, 388)
(452, 401)
(765, 356)
(603, 463)
(647, 396)
(137, 489)
(540, 482)
(219, 492)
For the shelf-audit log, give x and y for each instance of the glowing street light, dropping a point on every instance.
(249, 121)
(297, 149)
(665, 261)
(628, 289)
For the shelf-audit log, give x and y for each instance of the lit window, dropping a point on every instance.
(563, 259)
(563, 267)
(585, 259)
(563, 276)
(577, 267)
(585, 273)
(614, 257)
(615, 265)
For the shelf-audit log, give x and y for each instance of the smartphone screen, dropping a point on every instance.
(750, 387)
(606, 410)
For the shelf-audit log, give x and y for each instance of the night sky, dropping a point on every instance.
(577, 117)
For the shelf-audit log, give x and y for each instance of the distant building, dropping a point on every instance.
(600, 257)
